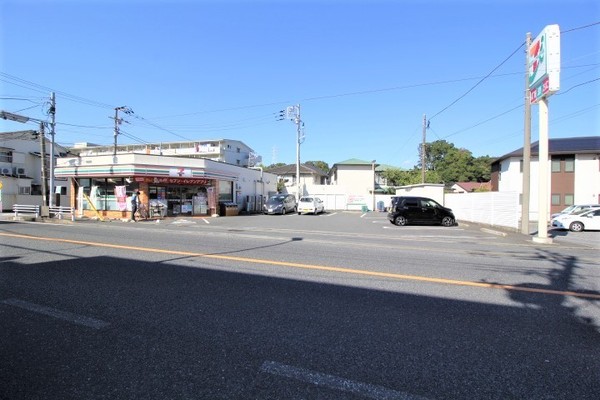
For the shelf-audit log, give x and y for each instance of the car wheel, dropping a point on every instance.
(447, 221)
(400, 220)
(576, 226)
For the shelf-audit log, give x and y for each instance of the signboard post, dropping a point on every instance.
(544, 80)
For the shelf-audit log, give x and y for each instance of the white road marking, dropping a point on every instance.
(330, 214)
(334, 382)
(206, 221)
(53, 312)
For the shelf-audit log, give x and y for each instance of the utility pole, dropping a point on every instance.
(423, 149)
(52, 125)
(298, 123)
(118, 122)
(525, 198)
(43, 164)
(293, 113)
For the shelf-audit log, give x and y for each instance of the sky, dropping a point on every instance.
(365, 73)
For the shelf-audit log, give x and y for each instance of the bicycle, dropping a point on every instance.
(141, 212)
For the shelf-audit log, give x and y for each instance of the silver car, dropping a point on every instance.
(280, 204)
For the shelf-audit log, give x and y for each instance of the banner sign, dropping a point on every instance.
(173, 181)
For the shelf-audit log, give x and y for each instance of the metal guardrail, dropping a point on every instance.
(35, 211)
(59, 212)
(26, 209)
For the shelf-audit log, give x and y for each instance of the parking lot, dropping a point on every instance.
(376, 223)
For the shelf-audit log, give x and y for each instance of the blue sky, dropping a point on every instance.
(364, 72)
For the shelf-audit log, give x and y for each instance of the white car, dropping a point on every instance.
(575, 209)
(585, 220)
(310, 205)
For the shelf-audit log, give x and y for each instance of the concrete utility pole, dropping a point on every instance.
(118, 122)
(525, 198)
(52, 125)
(423, 149)
(298, 123)
(43, 165)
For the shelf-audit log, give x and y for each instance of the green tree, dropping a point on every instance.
(399, 177)
(322, 165)
(453, 164)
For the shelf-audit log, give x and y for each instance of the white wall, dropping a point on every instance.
(587, 179)
(488, 208)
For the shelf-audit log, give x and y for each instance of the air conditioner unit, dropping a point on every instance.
(20, 171)
(5, 171)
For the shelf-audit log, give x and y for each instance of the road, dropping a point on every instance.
(334, 306)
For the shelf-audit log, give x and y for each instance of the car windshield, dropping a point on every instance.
(568, 209)
(580, 211)
(276, 199)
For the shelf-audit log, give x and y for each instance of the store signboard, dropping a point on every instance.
(544, 64)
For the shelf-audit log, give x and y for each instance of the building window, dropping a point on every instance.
(6, 156)
(239, 150)
(521, 166)
(225, 191)
(570, 164)
(556, 165)
(556, 199)
(569, 199)
(24, 189)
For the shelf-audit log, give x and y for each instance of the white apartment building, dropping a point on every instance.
(574, 173)
(229, 151)
(21, 169)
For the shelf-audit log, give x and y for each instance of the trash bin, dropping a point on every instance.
(380, 206)
(229, 209)
(365, 208)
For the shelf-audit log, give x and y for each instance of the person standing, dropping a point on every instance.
(135, 199)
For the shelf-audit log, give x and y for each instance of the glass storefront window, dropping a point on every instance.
(225, 191)
(102, 192)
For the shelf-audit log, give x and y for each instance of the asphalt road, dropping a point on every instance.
(335, 306)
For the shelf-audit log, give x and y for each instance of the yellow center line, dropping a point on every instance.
(317, 267)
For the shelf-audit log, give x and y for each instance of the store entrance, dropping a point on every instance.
(186, 200)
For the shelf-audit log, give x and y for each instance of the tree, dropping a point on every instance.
(399, 177)
(322, 165)
(275, 165)
(453, 164)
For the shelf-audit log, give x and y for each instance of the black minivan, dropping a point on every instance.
(419, 211)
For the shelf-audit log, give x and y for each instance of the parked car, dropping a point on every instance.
(588, 219)
(280, 204)
(419, 210)
(575, 209)
(310, 205)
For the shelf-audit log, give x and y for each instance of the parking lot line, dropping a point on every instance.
(59, 314)
(335, 382)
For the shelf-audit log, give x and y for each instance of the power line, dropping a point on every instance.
(478, 83)
(580, 27)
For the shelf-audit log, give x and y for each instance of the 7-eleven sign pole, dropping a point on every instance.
(544, 80)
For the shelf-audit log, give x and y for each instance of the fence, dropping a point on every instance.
(490, 208)
(26, 209)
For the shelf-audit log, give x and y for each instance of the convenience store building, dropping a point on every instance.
(102, 185)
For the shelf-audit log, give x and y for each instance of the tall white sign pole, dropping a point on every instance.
(543, 172)
(544, 80)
